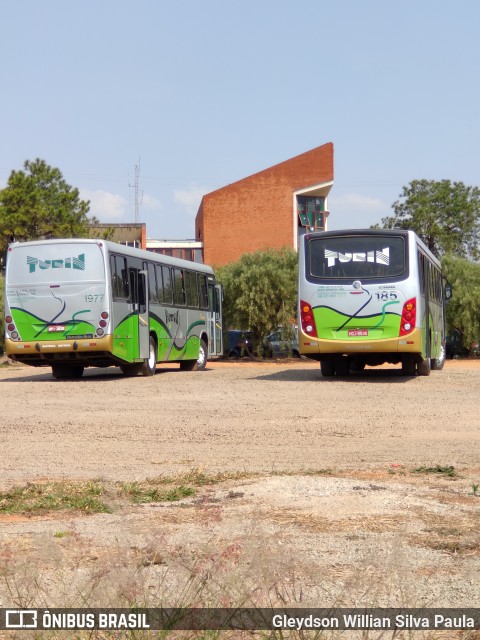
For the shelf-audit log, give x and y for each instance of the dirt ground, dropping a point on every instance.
(329, 497)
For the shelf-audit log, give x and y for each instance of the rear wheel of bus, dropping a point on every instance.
(408, 365)
(327, 367)
(200, 363)
(424, 367)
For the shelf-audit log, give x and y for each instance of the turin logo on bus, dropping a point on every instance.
(380, 257)
(60, 263)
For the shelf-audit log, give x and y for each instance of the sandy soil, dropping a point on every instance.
(333, 515)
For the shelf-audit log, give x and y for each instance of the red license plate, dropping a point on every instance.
(358, 332)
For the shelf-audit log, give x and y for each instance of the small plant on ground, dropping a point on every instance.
(141, 493)
(447, 471)
(54, 496)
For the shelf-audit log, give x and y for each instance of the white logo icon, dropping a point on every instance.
(20, 619)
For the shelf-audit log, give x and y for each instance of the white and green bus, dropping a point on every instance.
(75, 303)
(368, 297)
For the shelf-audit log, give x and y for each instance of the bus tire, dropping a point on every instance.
(202, 356)
(408, 365)
(200, 363)
(423, 367)
(327, 367)
(62, 371)
(438, 363)
(150, 365)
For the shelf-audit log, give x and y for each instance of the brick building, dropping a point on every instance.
(269, 209)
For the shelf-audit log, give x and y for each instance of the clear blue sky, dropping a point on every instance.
(207, 92)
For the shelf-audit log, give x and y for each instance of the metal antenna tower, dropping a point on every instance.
(138, 194)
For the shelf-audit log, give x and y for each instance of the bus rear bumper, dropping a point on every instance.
(315, 347)
(43, 352)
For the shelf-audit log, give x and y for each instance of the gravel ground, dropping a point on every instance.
(319, 506)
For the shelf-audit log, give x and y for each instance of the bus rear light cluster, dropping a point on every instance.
(409, 317)
(11, 327)
(103, 323)
(307, 319)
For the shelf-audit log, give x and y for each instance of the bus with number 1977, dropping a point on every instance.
(75, 303)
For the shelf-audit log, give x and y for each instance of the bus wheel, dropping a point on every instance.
(202, 356)
(437, 363)
(67, 371)
(327, 367)
(423, 368)
(200, 363)
(408, 365)
(150, 365)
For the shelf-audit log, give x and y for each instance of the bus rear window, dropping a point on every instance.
(356, 257)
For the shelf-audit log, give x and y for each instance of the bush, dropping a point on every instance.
(260, 291)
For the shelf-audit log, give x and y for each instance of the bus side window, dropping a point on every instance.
(167, 285)
(120, 288)
(202, 289)
(179, 287)
(160, 294)
(191, 286)
(152, 282)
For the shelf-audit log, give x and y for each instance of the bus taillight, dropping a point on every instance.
(307, 319)
(409, 317)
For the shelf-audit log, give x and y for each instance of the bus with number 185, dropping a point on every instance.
(368, 297)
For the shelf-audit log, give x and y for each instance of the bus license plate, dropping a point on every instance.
(358, 332)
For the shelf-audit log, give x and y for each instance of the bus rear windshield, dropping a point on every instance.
(356, 257)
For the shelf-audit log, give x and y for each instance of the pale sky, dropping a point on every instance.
(201, 94)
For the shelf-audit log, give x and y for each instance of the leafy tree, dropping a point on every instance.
(463, 309)
(38, 203)
(445, 215)
(260, 291)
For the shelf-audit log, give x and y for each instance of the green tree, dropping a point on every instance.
(260, 291)
(445, 215)
(463, 309)
(38, 203)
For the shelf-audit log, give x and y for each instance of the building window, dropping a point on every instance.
(310, 212)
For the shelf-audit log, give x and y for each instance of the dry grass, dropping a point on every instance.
(254, 565)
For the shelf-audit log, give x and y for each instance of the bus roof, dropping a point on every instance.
(120, 249)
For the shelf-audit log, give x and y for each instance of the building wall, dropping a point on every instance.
(258, 212)
(131, 234)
